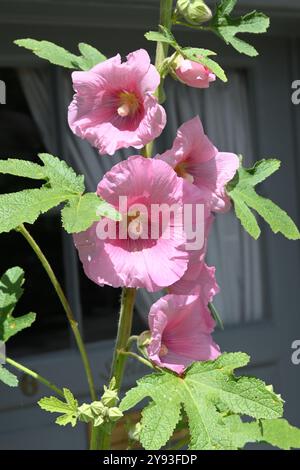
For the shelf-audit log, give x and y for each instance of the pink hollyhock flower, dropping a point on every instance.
(137, 258)
(196, 159)
(199, 279)
(181, 328)
(114, 106)
(193, 74)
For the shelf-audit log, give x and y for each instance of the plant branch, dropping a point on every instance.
(35, 375)
(74, 326)
(137, 357)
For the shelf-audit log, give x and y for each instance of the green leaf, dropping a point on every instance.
(90, 56)
(163, 35)
(11, 289)
(69, 409)
(228, 27)
(10, 292)
(14, 325)
(62, 184)
(26, 206)
(204, 386)
(225, 7)
(54, 405)
(60, 175)
(243, 433)
(54, 171)
(277, 218)
(279, 433)
(47, 50)
(8, 378)
(262, 170)
(80, 213)
(246, 217)
(23, 168)
(193, 54)
(242, 191)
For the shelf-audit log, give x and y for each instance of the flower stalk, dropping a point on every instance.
(35, 375)
(66, 306)
(100, 437)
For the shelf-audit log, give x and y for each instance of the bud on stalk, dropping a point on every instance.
(193, 11)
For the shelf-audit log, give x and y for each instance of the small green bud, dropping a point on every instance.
(114, 414)
(144, 339)
(193, 11)
(98, 408)
(98, 421)
(110, 397)
(85, 413)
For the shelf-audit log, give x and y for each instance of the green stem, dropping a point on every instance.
(137, 357)
(35, 375)
(66, 306)
(124, 331)
(101, 436)
(165, 19)
(133, 339)
(99, 439)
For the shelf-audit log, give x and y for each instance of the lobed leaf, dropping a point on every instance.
(228, 27)
(62, 185)
(204, 386)
(57, 55)
(10, 292)
(242, 191)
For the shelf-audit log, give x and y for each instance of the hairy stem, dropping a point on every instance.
(35, 375)
(66, 306)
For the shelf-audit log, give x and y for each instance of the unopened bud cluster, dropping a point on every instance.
(103, 411)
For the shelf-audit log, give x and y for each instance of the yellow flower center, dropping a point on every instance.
(163, 350)
(181, 170)
(128, 104)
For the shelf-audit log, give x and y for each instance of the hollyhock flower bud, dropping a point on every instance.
(194, 11)
(195, 158)
(110, 397)
(114, 106)
(181, 328)
(114, 414)
(144, 339)
(151, 246)
(192, 73)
